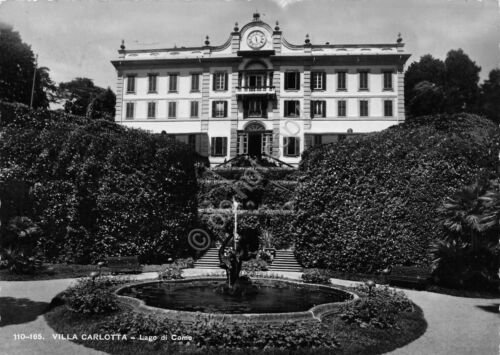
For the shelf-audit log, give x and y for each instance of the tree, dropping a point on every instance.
(426, 98)
(433, 86)
(83, 98)
(428, 69)
(424, 86)
(491, 215)
(467, 256)
(462, 77)
(462, 213)
(490, 96)
(17, 65)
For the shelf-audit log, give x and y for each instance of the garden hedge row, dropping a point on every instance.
(272, 195)
(99, 189)
(369, 203)
(235, 173)
(273, 225)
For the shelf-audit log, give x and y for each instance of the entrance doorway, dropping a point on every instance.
(255, 144)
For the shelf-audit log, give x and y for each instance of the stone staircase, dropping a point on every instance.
(284, 262)
(208, 261)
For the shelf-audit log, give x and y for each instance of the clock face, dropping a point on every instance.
(256, 39)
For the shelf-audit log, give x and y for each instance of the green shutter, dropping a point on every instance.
(308, 140)
(214, 81)
(297, 81)
(226, 77)
(204, 144)
(214, 104)
(224, 145)
(212, 147)
(225, 108)
(297, 146)
(324, 108)
(324, 81)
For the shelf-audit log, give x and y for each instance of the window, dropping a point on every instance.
(255, 81)
(152, 82)
(254, 108)
(292, 108)
(130, 83)
(318, 81)
(219, 146)
(220, 81)
(172, 82)
(219, 108)
(388, 108)
(291, 146)
(172, 109)
(192, 141)
(194, 109)
(195, 82)
(292, 80)
(341, 108)
(129, 112)
(242, 143)
(363, 108)
(387, 80)
(363, 80)
(267, 144)
(151, 109)
(341, 80)
(318, 108)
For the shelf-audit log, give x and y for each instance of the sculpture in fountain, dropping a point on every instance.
(236, 249)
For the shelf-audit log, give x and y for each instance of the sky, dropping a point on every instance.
(78, 38)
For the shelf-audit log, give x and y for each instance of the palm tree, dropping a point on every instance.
(491, 200)
(463, 213)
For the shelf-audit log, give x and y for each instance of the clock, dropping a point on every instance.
(256, 39)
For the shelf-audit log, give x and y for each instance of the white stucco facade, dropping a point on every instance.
(257, 94)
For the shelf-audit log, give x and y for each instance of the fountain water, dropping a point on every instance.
(236, 299)
(234, 250)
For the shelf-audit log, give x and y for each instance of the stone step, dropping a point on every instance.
(284, 261)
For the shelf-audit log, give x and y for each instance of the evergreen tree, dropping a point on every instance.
(462, 78)
(17, 65)
(433, 86)
(490, 96)
(83, 98)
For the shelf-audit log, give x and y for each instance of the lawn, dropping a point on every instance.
(65, 271)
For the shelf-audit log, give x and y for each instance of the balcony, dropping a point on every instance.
(255, 91)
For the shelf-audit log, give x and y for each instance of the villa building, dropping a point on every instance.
(259, 95)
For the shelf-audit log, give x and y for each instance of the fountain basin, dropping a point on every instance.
(192, 300)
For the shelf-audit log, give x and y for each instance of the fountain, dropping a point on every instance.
(236, 298)
(234, 250)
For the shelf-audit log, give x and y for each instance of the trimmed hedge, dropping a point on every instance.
(368, 203)
(223, 335)
(239, 173)
(274, 195)
(276, 223)
(99, 189)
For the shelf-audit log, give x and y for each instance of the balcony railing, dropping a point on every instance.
(255, 90)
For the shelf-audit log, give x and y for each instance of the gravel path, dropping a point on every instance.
(455, 325)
